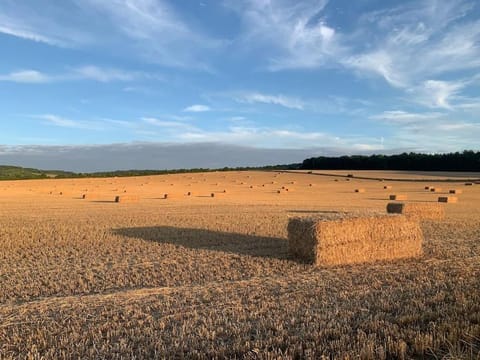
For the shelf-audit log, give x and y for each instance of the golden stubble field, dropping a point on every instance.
(209, 277)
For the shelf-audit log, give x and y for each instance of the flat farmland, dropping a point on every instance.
(205, 272)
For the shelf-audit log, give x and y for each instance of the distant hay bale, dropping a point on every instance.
(293, 182)
(428, 187)
(347, 179)
(455, 191)
(435, 189)
(448, 199)
(335, 180)
(387, 187)
(311, 185)
(344, 239)
(468, 184)
(126, 198)
(350, 175)
(359, 190)
(189, 193)
(418, 210)
(398, 197)
(212, 195)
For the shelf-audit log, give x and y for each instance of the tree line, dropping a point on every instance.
(458, 161)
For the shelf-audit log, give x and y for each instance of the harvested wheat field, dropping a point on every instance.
(209, 275)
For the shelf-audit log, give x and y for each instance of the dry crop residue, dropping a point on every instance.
(204, 277)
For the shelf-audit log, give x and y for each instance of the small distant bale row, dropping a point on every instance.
(126, 198)
(420, 210)
(349, 240)
(448, 199)
(398, 197)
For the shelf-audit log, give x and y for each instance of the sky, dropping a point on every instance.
(243, 82)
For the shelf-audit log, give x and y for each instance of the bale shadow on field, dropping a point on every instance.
(244, 244)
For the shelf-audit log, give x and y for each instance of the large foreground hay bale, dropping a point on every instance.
(419, 210)
(448, 199)
(351, 239)
(126, 198)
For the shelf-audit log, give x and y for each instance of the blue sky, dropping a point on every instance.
(342, 76)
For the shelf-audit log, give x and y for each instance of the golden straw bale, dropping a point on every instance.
(468, 184)
(418, 210)
(428, 187)
(126, 198)
(359, 190)
(448, 199)
(435, 189)
(346, 239)
(455, 191)
(387, 187)
(398, 197)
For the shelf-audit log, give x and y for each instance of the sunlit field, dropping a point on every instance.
(206, 273)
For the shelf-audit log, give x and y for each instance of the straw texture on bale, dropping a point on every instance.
(448, 199)
(455, 191)
(398, 197)
(348, 240)
(126, 198)
(418, 210)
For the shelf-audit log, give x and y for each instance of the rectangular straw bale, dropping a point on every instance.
(398, 197)
(359, 190)
(455, 191)
(418, 210)
(448, 199)
(428, 187)
(354, 240)
(90, 196)
(387, 187)
(126, 198)
(435, 189)
(468, 184)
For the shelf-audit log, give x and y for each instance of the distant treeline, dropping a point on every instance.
(20, 173)
(458, 161)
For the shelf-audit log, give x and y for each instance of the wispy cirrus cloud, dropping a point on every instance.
(279, 99)
(295, 31)
(87, 72)
(148, 29)
(26, 76)
(60, 121)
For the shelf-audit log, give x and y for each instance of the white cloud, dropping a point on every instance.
(297, 31)
(60, 121)
(88, 72)
(172, 125)
(281, 100)
(403, 117)
(154, 30)
(415, 42)
(26, 76)
(197, 108)
(437, 94)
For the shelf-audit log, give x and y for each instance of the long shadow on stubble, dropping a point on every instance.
(253, 245)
